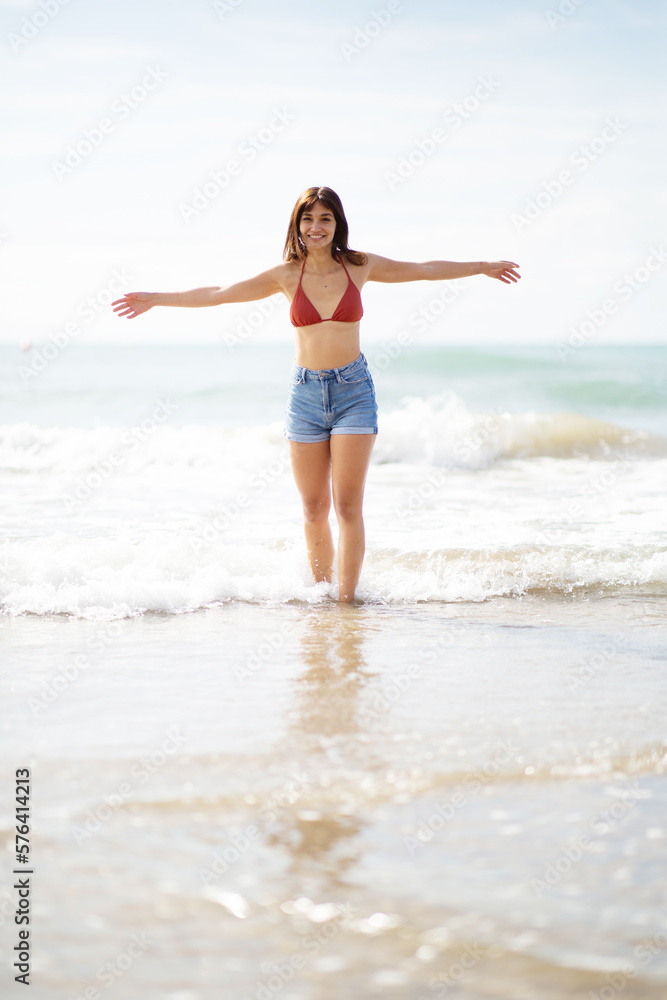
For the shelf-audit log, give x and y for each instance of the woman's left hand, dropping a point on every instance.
(504, 270)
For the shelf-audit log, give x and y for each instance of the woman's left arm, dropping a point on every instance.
(384, 269)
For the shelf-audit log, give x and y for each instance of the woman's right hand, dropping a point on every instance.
(133, 304)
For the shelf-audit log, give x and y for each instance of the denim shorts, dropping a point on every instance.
(330, 401)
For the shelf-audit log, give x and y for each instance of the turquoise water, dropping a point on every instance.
(85, 386)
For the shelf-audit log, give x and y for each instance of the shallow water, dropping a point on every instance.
(242, 789)
(383, 793)
(140, 480)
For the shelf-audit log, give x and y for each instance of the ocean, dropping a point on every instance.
(240, 788)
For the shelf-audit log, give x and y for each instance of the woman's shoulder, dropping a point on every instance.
(287, 275)
(362, 263)
(358, 259)
(372, 259)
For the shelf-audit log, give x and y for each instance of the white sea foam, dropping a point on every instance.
(461, 506)
(442, 430)
(25, 448)
(439, 430)
(102, 578)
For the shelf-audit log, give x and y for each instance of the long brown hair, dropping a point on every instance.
(294, 246)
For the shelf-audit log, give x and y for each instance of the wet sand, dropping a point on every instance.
(315, 801)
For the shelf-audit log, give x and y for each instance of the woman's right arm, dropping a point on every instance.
(260, 287)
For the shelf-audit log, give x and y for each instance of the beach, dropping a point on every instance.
(239, 787)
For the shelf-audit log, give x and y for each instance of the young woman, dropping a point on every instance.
(331, 417)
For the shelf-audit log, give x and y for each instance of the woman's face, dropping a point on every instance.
(317, 226)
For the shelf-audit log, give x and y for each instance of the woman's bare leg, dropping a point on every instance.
(311, 465)
(350, 459)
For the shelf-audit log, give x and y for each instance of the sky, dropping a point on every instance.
(161, 145)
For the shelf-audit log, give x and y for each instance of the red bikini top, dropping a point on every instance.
(349, 309)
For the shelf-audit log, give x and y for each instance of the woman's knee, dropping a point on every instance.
(348, 508)
(316, 508)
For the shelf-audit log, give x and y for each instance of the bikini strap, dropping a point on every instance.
(344, 268)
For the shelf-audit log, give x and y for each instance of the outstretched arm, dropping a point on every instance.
(260, 287)
(384, 269)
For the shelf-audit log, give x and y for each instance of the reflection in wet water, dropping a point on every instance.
(270, 854)
(336, 672)
(325, 726)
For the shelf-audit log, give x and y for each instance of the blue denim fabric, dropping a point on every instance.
(330, 401)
